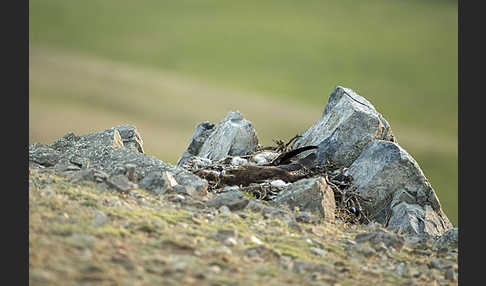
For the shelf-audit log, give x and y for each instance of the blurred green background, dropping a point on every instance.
(164, 66)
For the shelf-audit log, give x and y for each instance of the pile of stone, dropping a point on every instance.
(351, 134)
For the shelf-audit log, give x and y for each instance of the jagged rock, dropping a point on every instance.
(348, 123)
(233, 136)
(450, 238)
(199, 136)
(400, 195)
(44, 155)
(313, 195)
(234, 200)
(114, 151)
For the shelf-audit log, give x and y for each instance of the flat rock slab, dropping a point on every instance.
(312, 195)
(348, 123)
(399, 193)
(233, 136)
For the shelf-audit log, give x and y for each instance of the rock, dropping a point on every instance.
(100, 219)
(388, 238)
(263, 252)
(103, 151)
(234, 200)
(301, 266)
(417, 220)
(224, 210)
(449, 239)
(256, 240)
(269, 212)
(43, 154)
(227, 236)
(312, 195)
(348, 123)
(392, 180)
(364, 250)
(233, 136)
(436, 263)
(199, 136)
(305, 217)
(120, 183)
(402, 270)
(155, 182)
(317, 251)
(238, 161)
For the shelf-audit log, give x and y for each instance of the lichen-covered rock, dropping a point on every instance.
(313, 195)
(450, 238)
(115, 151)
(233, 136)
(399, 193)
(44, 155)
(349, 122)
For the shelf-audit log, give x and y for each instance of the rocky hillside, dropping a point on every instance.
(339, 204)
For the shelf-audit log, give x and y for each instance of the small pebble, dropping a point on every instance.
(254, 239)
(231, 241)
(100, 219)
(317, 251)
(224, 210)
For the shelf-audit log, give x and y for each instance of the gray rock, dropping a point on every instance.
(158, 182)
(302, 266)
(402, 270)
(417, 220)
(43, 154)
(199, 136)
(449, 239)
(233, 136)
(224, 210)
(111, 151)
(388, 238)
(224, 234)
(100, 219)
(348, 123)
(263, 252)
(305, 217)
(317, 251)
(120, 183)
(392, 180)
(234, 200)
(312, 195)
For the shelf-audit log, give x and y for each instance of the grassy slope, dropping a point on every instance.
(166, 65)
(156, 242)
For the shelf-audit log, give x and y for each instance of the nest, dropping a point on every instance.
(255, 179)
